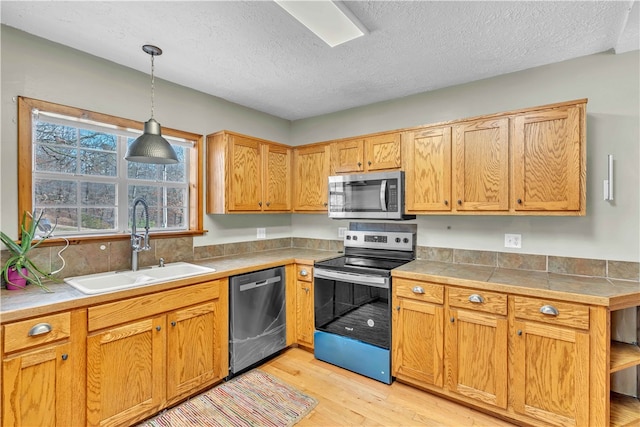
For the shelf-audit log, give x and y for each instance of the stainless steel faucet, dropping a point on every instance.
(139, 242)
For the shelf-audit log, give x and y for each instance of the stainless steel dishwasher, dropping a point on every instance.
(257, 317)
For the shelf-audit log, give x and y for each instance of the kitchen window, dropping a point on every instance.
(73, 166)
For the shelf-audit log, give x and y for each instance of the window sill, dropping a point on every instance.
(78, 240)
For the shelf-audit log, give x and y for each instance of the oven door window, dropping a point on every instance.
(353, 310)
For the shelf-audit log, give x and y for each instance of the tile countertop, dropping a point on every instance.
(18, 305)
(615, 294)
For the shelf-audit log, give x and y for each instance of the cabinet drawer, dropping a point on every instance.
(420, 291)
(29, 333)
(115, 313)
(478, 300)
(552, 312)
(304, 273)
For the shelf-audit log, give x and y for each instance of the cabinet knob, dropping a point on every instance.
(304, 272)
(369, 162)
(519, 332)
(549, 310)
(306, 290)
(158, 328)
(459, 202)
(397, 308)
(268, 204)
(417, 290)
(452, 319)
(476, 299)
(359, 164)
(260, 204)
(446, 203)
(40, 329)
(65, 356)
(519, 201)
(324, 204)
(173, 323)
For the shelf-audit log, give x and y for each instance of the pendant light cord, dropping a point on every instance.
(152, 84)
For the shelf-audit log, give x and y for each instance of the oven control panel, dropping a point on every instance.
(399, 241)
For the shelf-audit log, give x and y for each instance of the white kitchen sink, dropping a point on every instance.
(118, 280)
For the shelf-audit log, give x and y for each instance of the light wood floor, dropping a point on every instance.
(347, 399)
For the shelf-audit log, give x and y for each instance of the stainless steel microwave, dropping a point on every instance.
(378, 195)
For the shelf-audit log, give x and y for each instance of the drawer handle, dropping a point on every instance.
(306, 290)
(418, 290)
(476, 299)
(40, 329)
(549, 309)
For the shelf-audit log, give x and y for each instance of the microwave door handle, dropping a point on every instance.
(383, 195)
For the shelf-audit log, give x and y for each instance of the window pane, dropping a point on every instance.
(54, 192)
(98, 140)
(177, 171)
(93, 193)
(55, 134)
(98, 163)
(176, 197)
(149, 193)
(98, 219)
(50, 158)
(146, 171)
(176, 217)
(67, 219)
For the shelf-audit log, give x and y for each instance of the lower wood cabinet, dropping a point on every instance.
(417, 331)
(476, 345)
(160, 349)
(304, 306)
(40, 371)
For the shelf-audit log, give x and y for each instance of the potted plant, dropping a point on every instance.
(19, 269)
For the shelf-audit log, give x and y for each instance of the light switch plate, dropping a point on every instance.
(513, 240)
(342, 231)
(261, 233)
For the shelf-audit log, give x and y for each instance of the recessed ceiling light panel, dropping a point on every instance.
(332, 22)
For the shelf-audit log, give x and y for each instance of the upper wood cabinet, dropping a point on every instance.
(311, 178)
(247, 174)
(427, 155)
(481, 165)
(549, 154)
(371, 153)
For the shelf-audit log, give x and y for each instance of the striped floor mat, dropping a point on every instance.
(252, 399)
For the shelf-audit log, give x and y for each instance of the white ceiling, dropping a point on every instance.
(255, 54)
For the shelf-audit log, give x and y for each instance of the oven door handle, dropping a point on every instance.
(359, 279)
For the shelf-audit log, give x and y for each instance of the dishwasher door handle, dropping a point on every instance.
(253, 285)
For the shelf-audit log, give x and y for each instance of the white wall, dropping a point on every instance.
(36, 68)
(612, 85)
(39, 69)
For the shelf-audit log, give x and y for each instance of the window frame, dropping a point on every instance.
(25, 165)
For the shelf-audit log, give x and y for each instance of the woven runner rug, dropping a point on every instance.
(252, 399)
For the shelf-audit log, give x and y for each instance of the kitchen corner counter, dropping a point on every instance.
(611, 293)
(32, 301)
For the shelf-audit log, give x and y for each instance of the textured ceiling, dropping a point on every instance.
(255, 54)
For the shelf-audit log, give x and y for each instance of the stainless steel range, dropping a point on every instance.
(352, 297)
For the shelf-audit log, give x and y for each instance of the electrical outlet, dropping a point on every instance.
(262, 233)
(342, 231)
(513, 240)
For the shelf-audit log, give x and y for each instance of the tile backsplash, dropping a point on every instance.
(92, 257)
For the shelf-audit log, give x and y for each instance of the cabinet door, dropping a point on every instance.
(547, 160)
(192, 359)
(417, 336)
(304, 313)
(347, 156)
(476, 356)
(126, 372)
(277, 178)
(36, 388)
(382, 152)
(245, 174)
(481, 165)
(311, 178)
(428, 170)
(551, 373)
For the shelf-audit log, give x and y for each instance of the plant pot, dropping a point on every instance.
(15, 280)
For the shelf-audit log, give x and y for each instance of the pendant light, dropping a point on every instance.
(151, 147)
